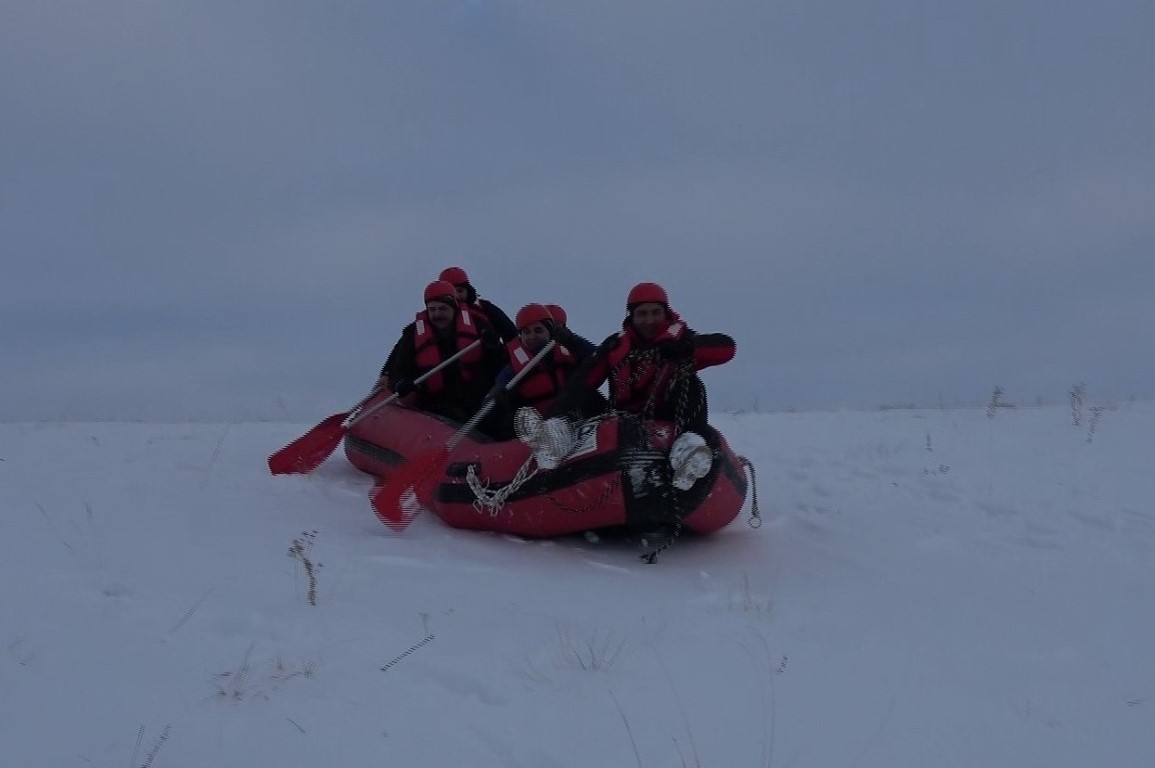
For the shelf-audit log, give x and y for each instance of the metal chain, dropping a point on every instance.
(494, 500)
(638, 356)
(677, 386)
(681, 406)
(649, 558)
(682, 376)
(485, 499)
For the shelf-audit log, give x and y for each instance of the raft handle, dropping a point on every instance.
(461, 468)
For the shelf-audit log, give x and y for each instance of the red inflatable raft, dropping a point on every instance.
(617, 476)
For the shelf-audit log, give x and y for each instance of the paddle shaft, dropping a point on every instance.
(386, 499)
(356, 415)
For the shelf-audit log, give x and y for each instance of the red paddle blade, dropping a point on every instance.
(310, 450)
(396, 502)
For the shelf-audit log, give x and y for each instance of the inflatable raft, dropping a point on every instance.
(617, 475)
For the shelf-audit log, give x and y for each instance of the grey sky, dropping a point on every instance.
(229, 210)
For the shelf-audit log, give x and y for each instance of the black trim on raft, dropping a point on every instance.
(374, 451)
(539, 485)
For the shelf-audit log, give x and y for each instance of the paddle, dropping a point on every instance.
(310, 450)
(395, 502)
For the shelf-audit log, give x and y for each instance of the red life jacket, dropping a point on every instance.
(476, 313)
(631, 378)
(541, 385)
(429, 353)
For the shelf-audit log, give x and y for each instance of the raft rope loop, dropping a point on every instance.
(755, 520)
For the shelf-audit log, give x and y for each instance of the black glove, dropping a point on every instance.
(562, 335)
(403, 387)
(676, 350)
(488, 336)
(607, 346)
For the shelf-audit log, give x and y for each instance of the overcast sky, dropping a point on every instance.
(229, 210)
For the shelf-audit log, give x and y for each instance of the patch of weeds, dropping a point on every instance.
(234, 684)
(246, 683)
(995, 402)
(1077, 396)
(301, 550)
(746, 601)
(282, 672)
(596, 653)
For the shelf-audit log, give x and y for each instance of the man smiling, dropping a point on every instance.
(438, 332)
(651, 366)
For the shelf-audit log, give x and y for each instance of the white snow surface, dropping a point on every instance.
(930, 588)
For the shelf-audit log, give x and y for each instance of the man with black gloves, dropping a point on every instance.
(651, 366)
(440, 331)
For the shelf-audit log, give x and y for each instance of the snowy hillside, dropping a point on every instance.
(930, 588)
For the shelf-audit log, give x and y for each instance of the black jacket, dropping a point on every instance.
(499, 320)
(461, 397)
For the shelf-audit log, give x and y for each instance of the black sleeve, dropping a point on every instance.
(712, 349)
(402, 360)
(579, 398)
(494, 357)
(499, 320)
(581, 347)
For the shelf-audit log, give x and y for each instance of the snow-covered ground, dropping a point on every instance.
(930, 588)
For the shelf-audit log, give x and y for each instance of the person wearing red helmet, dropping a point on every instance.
(536, 327)
(437, 333)
(482, 309)
(651, 366)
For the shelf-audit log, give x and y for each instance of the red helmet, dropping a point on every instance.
(454, 275)
(440, 290)
(558, 313)
(532, 313)
(644, 293)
